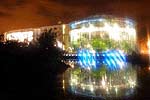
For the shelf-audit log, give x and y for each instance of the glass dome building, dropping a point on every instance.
(100, 45)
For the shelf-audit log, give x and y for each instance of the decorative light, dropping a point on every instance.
(87, 59)
(115, 60)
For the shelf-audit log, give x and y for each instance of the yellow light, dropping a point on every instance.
(149, 68)
(148, 44)
(63, 84)
(64, 27)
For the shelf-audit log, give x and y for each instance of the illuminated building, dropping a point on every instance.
(101, 44)
(32, 34)
(98, 46)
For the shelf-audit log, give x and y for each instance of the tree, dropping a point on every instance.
(47, 39)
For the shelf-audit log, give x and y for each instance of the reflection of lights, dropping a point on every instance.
(94, 82)
(74, 81)
(91, 88)
(103, 82)
(83, 88)
(124, 77)
(116, 90)
(132, 83)
(63, 84)
(106, 83)
(107, 89)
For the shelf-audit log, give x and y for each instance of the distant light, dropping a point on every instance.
(63, 27)
(20, 36)
(149, 68)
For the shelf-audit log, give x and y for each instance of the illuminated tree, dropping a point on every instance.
(99, 44)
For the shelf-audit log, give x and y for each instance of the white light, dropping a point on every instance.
(59, 44)
(83, 88)
(114, 31)
(20, 36)
(116, 90)
(72, 65)
(103, 82)
(91, 88)
(107, 89)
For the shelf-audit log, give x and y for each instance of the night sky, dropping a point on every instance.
(16, 14)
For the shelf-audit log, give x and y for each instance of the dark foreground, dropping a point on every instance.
(35, 73)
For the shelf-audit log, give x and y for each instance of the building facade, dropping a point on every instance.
(32, 34)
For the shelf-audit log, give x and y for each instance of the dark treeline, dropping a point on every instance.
(31, 70)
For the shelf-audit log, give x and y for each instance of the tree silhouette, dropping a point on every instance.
(47, 39)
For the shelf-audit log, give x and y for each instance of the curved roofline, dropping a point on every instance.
(105, 17)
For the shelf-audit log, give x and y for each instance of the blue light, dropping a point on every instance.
(87, 59)
(113, 59)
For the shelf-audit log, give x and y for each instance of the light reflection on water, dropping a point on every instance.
(101, 83)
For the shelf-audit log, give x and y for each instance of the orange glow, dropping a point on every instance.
(148, 43)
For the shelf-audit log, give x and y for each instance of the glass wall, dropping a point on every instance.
(100, 68)
(103, 33)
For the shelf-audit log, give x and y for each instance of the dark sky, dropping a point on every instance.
(16, 14)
